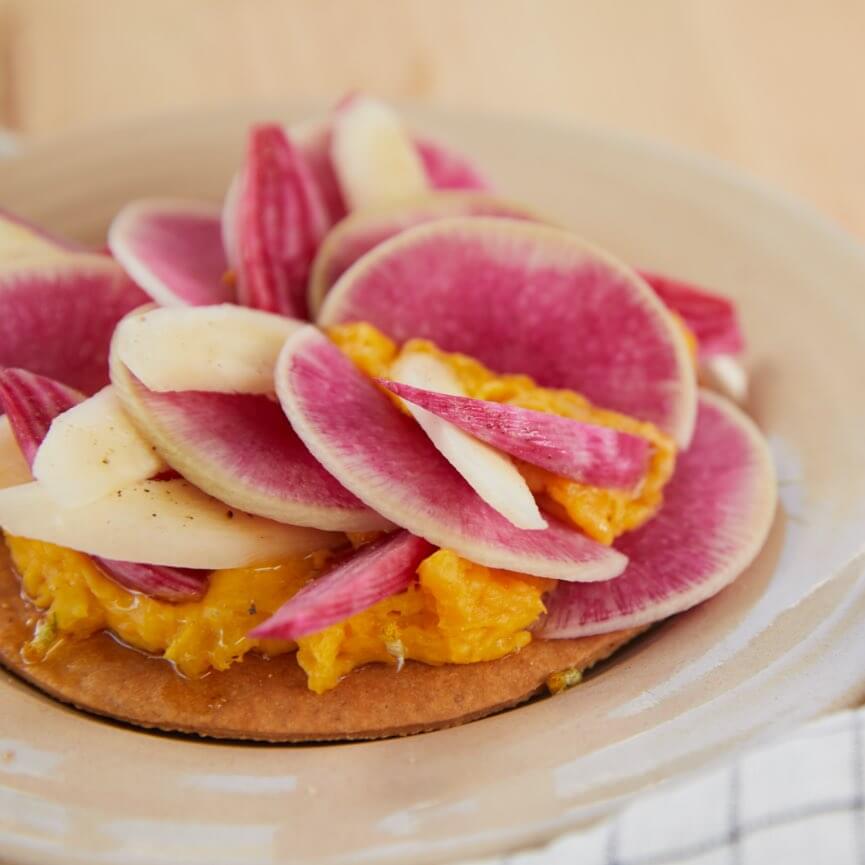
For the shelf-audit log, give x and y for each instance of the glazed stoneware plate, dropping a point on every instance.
(783, 643)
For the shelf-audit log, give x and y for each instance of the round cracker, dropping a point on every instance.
(267, 699)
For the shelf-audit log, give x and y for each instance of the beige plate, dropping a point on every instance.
(783, 643)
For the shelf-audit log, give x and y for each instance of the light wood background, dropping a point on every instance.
(775, 86)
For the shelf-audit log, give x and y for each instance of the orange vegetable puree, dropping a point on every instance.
(457, 612)
(601, 513)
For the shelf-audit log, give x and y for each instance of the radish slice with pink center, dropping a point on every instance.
(446, 169)
(93, 449)
(717, 512)
(225, 348)
(360, 232)
(710, 317)
(531, 299)
(585, 452)
(33, 404)
(57, 317)
(377, 571)
(174, 585)
(386, 460)
(169, 523)
(488, 472)
(173, 250)
(279, 219)
(241, 449)
(21, 240)
(373, 156)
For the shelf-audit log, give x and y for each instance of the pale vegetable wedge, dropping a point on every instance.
(222, 349)
(13, 466)
(93, 449)
(154, 522)
(489, 472)
(373, 156)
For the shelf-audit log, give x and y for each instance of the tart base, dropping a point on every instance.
(267, 699)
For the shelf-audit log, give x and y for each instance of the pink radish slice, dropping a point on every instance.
(528, 298)
(446, 169)
(711, 318)
(240, 449)
(314, 142)
(377, 571)
(57, 317)
(586, 452)
(717, 512)
(386, 460)
(173, 250)
(280, 221)
(31, 403)
(359, 233)
(166, 584)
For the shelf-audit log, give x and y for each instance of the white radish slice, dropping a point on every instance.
(92, 450)
(172, 248)
(386, 460)
(223, 349)
(168, 523)
(717, 512)
(14, 469)
(374, 157)
(725, 374)
(490, 473)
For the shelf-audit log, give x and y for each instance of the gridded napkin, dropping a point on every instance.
(795, 801)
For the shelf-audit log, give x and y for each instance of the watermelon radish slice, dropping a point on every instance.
(448, 170)
(377, 571)
(717, 512)
(173, 250)
(277, 218)
(386, 460)
(32, 404)
(241, 449)
(21, 240)
(358, 233)
(373, 156)
(532, 299)
(445, 168)
(225, 348)
(490, 473)
(585, 452)
(711, 318)
(157, 522)
(14, 468)
(726, 375)
(92, 450)
(57, 317)
(175, 585)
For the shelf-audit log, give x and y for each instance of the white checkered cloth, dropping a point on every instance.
(796, 801)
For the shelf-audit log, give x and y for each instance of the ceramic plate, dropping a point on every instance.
(784, 643)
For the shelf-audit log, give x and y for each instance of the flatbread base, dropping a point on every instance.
(268, 699)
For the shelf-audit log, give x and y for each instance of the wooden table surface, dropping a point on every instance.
(775, 86)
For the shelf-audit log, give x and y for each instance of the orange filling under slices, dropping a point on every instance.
(458, 612)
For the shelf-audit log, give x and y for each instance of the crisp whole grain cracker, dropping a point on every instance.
(268, 699)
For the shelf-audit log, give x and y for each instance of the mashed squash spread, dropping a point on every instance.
(601, 513)
(457, 612)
